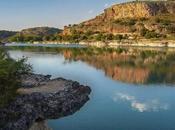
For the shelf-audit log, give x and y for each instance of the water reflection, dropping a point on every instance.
(131, 66)
(152, 105)
(127, 65)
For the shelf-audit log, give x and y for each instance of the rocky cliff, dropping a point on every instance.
(131, 17)
(135, 10)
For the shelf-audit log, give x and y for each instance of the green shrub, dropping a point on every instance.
(163, 21)
(143, 32)
(126, 22)
(10, 72)
(157, 20)
(166, 22)
(129, 22)
(150, 34)
(118, 37)
(143, 19)
(109, 37)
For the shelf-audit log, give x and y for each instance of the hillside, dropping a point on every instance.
(147, 19)
(4, 35)
(42, 31)
(35, 34)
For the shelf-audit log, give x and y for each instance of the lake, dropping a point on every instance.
(132, 89)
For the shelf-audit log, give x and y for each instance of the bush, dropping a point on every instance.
(118, 37)
(99, 37)
(109, 37)
(133, 29)
(171, 29)
(165, 22)
(10, 72)
(150, 34)
(126, 22)
(157, 20)
(129, 22)
(143, 19)
(143, 32)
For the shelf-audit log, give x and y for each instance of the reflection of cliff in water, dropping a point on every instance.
(131, 65)
(140, 67)
(133, 75)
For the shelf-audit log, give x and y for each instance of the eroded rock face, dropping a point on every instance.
(139, 10)
(107, 21)
(134, 10)
(32, 105)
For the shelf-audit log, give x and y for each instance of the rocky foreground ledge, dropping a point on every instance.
(42, 98)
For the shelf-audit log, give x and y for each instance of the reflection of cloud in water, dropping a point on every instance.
(141, 106)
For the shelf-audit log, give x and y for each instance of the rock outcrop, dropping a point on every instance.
(130, 17)
(46, 99)
(137, 10)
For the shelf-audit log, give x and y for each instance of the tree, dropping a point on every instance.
(10, 75)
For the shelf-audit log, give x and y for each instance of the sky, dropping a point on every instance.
(16, 15)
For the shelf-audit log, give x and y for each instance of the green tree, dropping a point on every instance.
(10, 75)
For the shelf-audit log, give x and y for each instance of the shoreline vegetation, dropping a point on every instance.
(10, 72)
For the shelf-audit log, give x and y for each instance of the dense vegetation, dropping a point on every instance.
(10, 74)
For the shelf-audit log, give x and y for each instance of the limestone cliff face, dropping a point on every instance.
(105, 22)
(135, 10)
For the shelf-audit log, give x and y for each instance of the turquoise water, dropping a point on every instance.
(114, 104)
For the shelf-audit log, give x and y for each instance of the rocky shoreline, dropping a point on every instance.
(123, 43)
(40, 99)
(132, 43)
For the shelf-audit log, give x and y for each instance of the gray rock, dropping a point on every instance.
(35, 103)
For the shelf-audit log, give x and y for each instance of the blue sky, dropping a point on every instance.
(19, 14)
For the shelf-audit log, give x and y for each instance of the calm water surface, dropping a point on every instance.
(124, 97)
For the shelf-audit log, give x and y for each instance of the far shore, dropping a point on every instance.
(124, 43)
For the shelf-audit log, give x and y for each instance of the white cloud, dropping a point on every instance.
(141, 106)
(124, 97)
